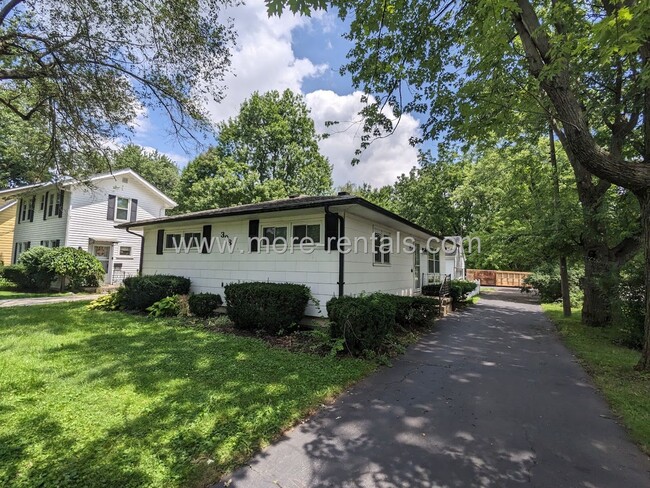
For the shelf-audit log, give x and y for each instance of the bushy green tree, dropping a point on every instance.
(154, 167)
(269, 150)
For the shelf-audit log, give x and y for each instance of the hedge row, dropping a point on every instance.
(366, 323)
(274, 308)
(141, 292)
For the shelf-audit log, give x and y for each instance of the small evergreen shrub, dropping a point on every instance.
(365, 323)
(204, 304)
(414, 312)
(272, 307)
(141, 292)
(431, 290)
(38, 274)
(458, 289)
(17, 275)
(166, 307)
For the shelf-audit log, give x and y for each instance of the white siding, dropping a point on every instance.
(211, 272)
(362, 275)
(52, 228)
(87, 217)
(319, 270)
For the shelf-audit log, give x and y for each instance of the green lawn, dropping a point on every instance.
(612, 367)
(109, 399)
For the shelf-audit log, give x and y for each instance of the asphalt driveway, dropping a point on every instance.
(491, 398)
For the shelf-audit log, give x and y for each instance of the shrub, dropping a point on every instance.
(546, 280)
(431, 290)
(141, 292)
(166, 307)
(629, 306)
(17, 275)
(414, 312)
(38, 275)
(272, 307)
(78, 267)
(204, 304)
(108, 302)
(458, 289)
(364, 322)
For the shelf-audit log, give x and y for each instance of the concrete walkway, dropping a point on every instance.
(20, 302)
(490, 399)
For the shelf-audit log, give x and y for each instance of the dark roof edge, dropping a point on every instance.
(323, 203)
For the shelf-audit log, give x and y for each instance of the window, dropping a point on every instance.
(50, 205)
(273, 234)
(125, 250)
(383, 245)
(42, 202)
(23, 212)
(122, 206)
(192, 239)
(434, 262)
(302, 231)
(21, 247)
(51, 243)
(172, 240)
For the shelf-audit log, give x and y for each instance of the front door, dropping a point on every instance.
(103, 254)
(416, 268)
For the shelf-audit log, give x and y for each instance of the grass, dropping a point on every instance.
(13, 294)
(95, 398)
(612, 368)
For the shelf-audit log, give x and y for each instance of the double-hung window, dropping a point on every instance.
(122, 207)
(383, 247)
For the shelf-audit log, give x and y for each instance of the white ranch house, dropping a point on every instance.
(83, 215)
(327, 270)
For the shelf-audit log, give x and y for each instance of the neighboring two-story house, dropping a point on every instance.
(84, 215)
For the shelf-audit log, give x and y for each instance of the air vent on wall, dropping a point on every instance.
(125, 179)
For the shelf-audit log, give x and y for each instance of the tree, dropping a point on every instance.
(84, 70)
(154, 167)
(583, 64)
(269, 150)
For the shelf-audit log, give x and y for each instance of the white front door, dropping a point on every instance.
(104, 255)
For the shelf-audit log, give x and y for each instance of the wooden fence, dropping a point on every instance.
(492, 277)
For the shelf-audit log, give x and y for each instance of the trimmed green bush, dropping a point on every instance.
(458, 289)
(275, 308)
(431, 290)
(38, 273)
(141, 292)
(204, 304)
(78, 267)
(17, 275)
(364, 322)
(414, 312)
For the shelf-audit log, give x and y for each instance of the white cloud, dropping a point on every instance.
(382, 162)
(263, 59)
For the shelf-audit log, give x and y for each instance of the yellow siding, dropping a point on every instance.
(7, 222)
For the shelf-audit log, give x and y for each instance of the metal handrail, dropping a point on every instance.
(444, 290)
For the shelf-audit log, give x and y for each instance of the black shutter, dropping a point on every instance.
(20, 209)
(57, 243)
(47, 196)
(160, 243)
(14, 258)
(32, 207)
(134, 209)
(206, 238)
(28, 244)
(253, 231)
(110, 213)
(59, 210)
(331, 232)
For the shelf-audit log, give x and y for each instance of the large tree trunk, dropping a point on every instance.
(644, 200)
(597, 306)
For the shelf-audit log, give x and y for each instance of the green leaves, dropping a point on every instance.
(269, 151)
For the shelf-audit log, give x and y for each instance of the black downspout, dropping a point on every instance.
(141, 249)
(341, 281)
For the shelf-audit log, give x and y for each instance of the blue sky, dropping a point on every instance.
(303, 54)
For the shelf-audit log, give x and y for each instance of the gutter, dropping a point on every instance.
(141, 249)
(341, 233)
